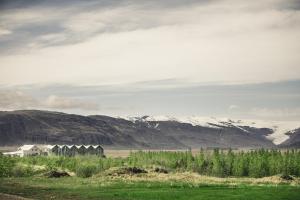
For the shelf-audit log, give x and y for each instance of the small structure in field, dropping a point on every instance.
(64, 150)
(73, 150)
(81, 150)
(90, 150)
(52, 149)
(99, 150)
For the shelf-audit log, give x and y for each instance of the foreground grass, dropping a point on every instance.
(140, 189)
(260, 174)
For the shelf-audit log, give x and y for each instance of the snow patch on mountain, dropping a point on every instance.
(280, 128)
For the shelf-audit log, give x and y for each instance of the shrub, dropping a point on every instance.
(20, 170)
(6, 165)
(86, 171)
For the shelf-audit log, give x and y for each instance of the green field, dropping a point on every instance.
(91, 188)
(260, 174)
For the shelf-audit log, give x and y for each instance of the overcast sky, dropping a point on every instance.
(229, 58)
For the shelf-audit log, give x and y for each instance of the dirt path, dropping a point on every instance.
(11, 197)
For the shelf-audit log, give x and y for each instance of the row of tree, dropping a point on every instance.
(255, 163)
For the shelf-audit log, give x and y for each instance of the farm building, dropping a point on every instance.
(73, 150)
(26, 150)
(52, 149)
(59, 150)
(99, 150)
(81, 150)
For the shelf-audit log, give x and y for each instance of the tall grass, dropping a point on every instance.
(256, 163)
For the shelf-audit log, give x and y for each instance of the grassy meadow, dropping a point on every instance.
(257, 174)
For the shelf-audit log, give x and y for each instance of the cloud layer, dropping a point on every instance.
(276, 101)
(15, 99)
(103, 42)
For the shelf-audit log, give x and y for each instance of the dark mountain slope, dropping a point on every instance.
(33, 126)
(293, 141)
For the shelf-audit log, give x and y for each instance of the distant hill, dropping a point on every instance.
(35, 126)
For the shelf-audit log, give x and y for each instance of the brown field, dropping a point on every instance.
(8, 148)
(125, 153)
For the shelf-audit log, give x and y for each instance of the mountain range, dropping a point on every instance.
(147, 132)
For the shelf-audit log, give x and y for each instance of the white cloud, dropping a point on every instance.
(4, 32)
(276, 113)
(233, 107)
(57, 102)
(16, 99)
(218, 42)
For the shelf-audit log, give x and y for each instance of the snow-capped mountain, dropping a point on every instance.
(281, 130)
(147, 132)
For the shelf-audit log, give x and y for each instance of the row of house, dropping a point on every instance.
(73, 150)
(59, 150)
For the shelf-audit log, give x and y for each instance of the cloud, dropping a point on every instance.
(77, 21)
(68, 103)
(16, 99)
(105, 42)
(291, 4)
(274, 100)
(276, 113)
(4, 32)
(233, 107)
(10, 99)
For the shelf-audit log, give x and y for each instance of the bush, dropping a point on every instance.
(86, 171)
(20, 170)
(6, 165)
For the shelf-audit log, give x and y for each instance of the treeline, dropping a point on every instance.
(256, 163)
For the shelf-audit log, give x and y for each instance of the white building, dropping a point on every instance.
(25, 150)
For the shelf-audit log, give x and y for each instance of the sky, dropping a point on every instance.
(223, 58)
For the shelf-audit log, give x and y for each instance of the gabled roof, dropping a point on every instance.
(49, 146)
(97, 146)
(26, 147)
(13, 153)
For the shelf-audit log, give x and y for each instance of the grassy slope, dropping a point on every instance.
(92, 188)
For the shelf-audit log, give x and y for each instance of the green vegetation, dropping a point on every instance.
(92, 188)
(6, 166)
(85, 171)
(157, 175)
(256, 163)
